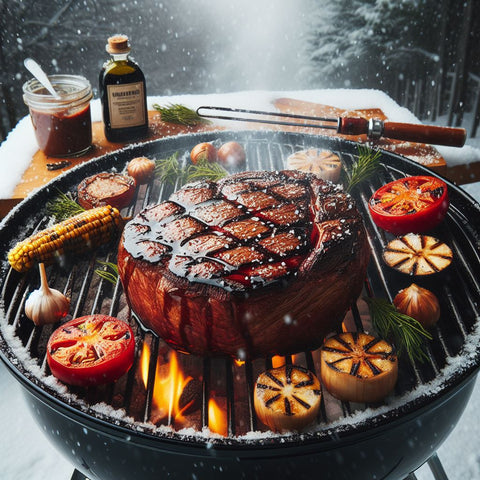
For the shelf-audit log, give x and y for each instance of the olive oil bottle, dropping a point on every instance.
(123, 94)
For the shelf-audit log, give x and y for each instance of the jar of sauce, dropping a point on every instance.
(63, 125)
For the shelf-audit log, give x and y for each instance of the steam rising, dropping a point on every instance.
(258, 43)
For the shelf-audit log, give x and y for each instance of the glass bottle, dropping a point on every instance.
(123, 94)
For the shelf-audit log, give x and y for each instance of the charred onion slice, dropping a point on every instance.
(357, 367)
(415, 254)
(106, 188)
(323, 163)
(287, 398)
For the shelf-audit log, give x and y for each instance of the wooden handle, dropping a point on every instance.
(454, 137)
(352, 126)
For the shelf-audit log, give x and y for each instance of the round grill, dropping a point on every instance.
(124, 413)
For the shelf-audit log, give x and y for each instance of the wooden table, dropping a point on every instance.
(37, 174)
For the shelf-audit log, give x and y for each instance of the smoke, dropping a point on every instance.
(254, 44)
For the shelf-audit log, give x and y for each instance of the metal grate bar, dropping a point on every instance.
(230, 397)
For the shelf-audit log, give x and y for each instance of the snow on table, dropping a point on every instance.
(17, 150)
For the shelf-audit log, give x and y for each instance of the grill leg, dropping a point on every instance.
(437, 468)
(78, 476)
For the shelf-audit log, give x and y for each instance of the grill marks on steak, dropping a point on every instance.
(247, 230)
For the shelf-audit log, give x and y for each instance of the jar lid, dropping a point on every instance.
(118, 44)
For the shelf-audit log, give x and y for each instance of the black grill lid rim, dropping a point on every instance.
(117, 159)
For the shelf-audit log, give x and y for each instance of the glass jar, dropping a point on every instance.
(63, 125)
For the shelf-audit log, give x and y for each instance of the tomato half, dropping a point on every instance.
(91, 350)
(411, 204)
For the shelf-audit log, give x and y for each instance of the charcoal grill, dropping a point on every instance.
(108, 432)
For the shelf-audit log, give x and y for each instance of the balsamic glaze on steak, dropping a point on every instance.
(242, 232)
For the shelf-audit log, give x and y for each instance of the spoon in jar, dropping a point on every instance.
(36, 70)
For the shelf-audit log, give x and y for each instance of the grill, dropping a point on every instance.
(118, 432)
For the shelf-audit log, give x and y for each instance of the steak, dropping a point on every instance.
(258, 263)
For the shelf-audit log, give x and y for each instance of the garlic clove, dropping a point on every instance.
(418, 303)
(46, 305)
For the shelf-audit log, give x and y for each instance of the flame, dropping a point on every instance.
(144, 363)
(278, 361)
(217, 418)
(239, 362)
(168, 387)
(169, 384)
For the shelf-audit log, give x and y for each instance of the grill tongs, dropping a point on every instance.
(373, 128)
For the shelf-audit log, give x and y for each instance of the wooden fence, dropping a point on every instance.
(431, 101)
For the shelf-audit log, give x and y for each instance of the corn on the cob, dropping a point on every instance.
(77, 234)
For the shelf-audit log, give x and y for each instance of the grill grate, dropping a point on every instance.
(223, 379)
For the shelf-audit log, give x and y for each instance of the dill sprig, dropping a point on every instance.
(205, 170)
(177, 113)
(168, 169)
(63, 206)
(406, 332)
(109, 272)
(364, 167)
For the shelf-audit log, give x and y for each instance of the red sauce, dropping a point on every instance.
(60, 134)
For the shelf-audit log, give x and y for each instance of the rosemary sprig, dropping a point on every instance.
(63, 206)
(407, 333)
(168, 169)
(364, 167)
(177, 113)
(205, 170)
(109, 272)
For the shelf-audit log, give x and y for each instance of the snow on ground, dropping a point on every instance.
(25, 451)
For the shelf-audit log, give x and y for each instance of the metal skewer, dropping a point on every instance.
(373, 128)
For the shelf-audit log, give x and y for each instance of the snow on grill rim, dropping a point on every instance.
(448, 364)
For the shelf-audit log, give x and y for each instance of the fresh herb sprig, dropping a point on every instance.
(407, 333)
(180, 114)
(205, 170)
(109, 272)
(364, 167)
(169, 170)
(63, 206)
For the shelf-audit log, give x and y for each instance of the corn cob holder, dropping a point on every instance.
(78, 234)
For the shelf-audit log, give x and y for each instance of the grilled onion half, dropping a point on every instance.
(357, 367)
(287, 398)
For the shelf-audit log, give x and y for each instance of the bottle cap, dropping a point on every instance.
(118, 44)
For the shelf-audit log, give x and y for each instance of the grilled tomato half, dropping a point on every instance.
(411, 204)
(91, 350)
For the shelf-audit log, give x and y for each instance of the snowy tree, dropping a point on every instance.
(359, 42)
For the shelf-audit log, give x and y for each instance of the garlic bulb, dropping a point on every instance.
(418, 303)
(46, 305)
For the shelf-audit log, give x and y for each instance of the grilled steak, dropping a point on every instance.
(258, 263)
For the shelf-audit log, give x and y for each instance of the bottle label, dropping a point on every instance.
(126, 104)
